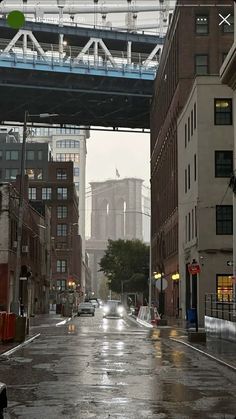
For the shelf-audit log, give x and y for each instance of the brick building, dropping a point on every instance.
(195, 45)
(58, 192)
(35, 253)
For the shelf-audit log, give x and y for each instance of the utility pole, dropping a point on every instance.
(15, 301)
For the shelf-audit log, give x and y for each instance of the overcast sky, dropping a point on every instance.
(126, 152)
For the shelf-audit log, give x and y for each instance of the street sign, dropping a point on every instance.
(164, 284)
(194, 268)
(230, 263)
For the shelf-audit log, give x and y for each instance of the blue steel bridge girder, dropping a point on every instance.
(81, 94)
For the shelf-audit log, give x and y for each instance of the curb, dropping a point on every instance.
(21, 345)
(220, 361)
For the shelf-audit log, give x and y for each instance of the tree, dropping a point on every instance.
(126, 261)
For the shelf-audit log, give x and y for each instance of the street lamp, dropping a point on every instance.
(15, 301)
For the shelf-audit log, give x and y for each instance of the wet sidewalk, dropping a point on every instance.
(37, 324)
(221, 349)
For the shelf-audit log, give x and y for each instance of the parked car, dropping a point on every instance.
(113, 308)
(86, 308)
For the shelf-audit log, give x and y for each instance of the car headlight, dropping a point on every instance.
(105, 309)
(120, 310)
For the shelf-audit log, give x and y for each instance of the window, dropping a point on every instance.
(12, 155)
(11, 173)
(39, 174)
(61, 193)
(188, 129)
(0, 173)
(40, 155)
(195, 167)
(68, 157)
(77, 185)
(76, 171)
(186, 228)
(30, 155)
(61, 174)
(191, 122)
(46, 193)
(1, 154)
(223, 111)
(61, 265)
(30, 173)
(201, 24)
(67, 144)
(195, 219)
(195, 116)
(62, 212)
(201, 64)
(224, 287)
(61, 285)
(185, 181)
(224, 219)
(228, 27)
(189, 227)
(185, 135)
(192, 224)
(61, 229)
(223, 163)
(189, 176)
(32, 193)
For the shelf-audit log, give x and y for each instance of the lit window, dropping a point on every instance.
(201, 24)
(224, 287)
(223, 111)
(30, 173)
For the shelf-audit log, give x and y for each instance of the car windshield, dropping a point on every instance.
(85, 304)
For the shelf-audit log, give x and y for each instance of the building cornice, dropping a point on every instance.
(228, 69)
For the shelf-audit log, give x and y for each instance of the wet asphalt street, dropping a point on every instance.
(109, 368)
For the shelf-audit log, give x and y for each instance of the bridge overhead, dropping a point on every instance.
(105, 80)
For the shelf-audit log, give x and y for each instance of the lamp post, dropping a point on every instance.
(15, 300)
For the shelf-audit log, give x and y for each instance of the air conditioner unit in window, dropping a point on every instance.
(25, 249)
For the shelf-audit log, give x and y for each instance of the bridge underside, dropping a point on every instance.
(77, 99)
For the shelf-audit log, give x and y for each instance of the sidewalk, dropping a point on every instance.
(37, 322)
(221, 349)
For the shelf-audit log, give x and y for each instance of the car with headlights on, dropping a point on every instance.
(113, 308)
(86, 308)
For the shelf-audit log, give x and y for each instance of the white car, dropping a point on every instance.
(113, 308)
(86, 308)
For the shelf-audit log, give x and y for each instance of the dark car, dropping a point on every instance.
(113, 308)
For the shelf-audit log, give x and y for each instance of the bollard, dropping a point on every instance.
(3, 398)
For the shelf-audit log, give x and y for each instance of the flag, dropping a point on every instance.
(117, 173)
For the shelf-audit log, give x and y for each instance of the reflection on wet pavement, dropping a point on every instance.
(108, 368)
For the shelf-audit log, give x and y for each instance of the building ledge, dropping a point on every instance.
(228, 69)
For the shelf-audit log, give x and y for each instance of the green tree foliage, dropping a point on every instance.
(127, 261)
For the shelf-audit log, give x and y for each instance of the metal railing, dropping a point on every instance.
(220, 307)
(69, 57)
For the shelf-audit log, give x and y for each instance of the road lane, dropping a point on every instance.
(111, 368)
